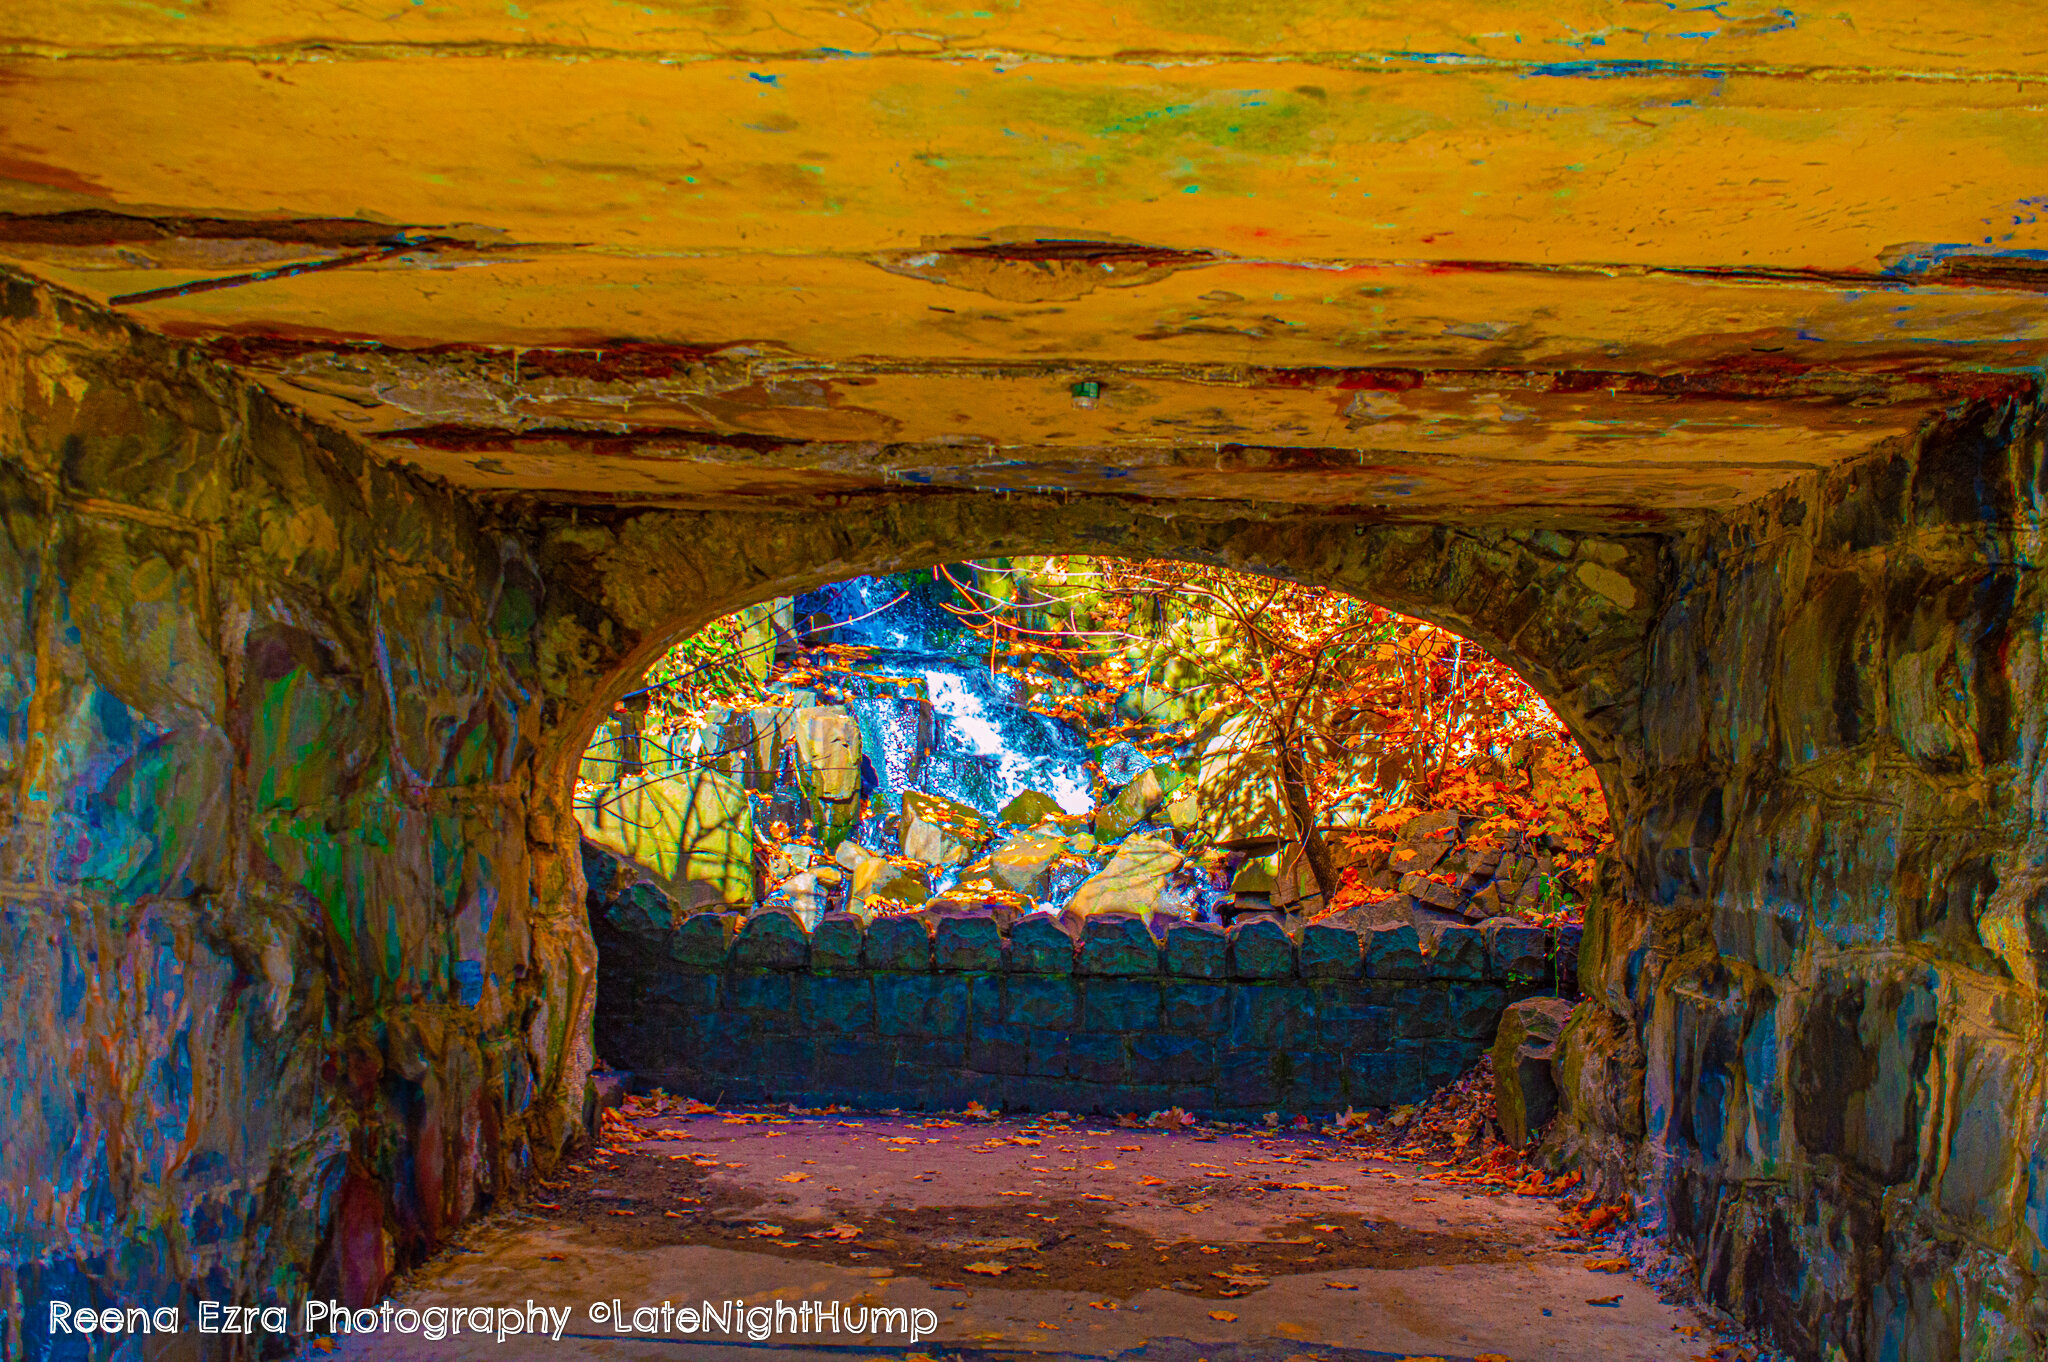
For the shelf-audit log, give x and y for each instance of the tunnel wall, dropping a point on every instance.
(282, 1005)
(1817, 1043)
(933, 1011)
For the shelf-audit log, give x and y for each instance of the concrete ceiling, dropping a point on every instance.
(1570, 260)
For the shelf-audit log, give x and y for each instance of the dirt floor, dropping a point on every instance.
(1064, 1238)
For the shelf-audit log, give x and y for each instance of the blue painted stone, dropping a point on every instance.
(773, 939)
(1261, 950)
(1350, 1017)
(1172, 1059)
(1393, 951)
(1120, 1005)
(840, 1003)
(748, 990)
(951, 1002)
(1000, 1049)
(1097, 1058)
(1518, 950)
(1459, 952)
(1040, 945)
(836, 945)
(968, 943)
(1197, 950)
(1423, 1013)
(903, 1003)
(1195, 1009)
(703, 939)
(1046, 1054)
(1247, 1081)
(901, 942)
(1472, 1011)
(1052, 1002)
(1117, 943)
(1269, 1017)
(1331, 950)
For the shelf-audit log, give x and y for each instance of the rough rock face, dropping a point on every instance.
(293, 987)
(1524, 1088)
(1827, 960)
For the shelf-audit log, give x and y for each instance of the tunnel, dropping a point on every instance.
(333, 530)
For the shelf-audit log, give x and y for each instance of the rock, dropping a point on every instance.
(1041, 944)
(1136, 802)
(1024, 862)
(773, 938)
(1134, 881)
(696, 827)
(1256, 876)
(1294, 882)
(1599, 1069)
(828, 753)
(877, 880)
(967, 942)
(1184, 809)
(939, 831)
(1417, 855)
(807, 894)
(1082, 843)
(979, 900)
(1436, 823)
(1524, 1084)
(1238, 783)
(1117, 943)
(1029, 809)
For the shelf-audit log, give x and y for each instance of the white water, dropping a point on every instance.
(970, 721)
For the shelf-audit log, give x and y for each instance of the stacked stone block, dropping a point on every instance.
(930, 1011)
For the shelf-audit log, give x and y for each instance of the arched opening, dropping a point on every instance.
(1083, 766)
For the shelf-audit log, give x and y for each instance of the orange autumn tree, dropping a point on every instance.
(1356, 705)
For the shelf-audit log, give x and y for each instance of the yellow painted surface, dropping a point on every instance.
(1766, 204)
(1276, 160)
(1883, 35)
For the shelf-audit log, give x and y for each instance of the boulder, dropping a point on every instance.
(693, 827)
(1524, 1082)
(1136, 880)
(1184, 809)
(979, 900)
(1024, 862)
(828, 753)
(877, 879)
(940, 831)
(1136, 802)
(1238, 784)
(1029, 809)
(807, 893)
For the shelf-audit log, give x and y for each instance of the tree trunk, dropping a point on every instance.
(1294, 785)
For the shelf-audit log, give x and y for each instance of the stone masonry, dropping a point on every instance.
(935, 1011)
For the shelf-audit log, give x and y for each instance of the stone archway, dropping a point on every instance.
(290, 729)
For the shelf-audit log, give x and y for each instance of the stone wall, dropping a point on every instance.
(935, 1011)
(1815, 1030)
(283, 1003)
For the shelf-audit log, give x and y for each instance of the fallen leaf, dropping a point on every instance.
(1103, 1305)
(1609, 1301)
(1223, 1315)
(1425, 1198)
(1490, 1357)
(1096, 1196)
(836, 1232)
(766, 1231)
(1341, 1286)
(794, 1177)
(1152, 1182)
(1608, 1265)
(1105, 1165)
(987, 1269)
